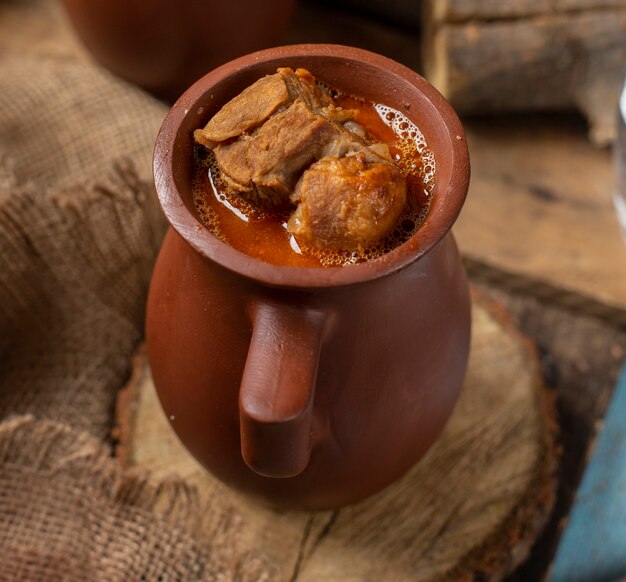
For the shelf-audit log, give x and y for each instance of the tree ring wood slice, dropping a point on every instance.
(470, 510)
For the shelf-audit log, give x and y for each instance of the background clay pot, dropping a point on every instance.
(315, 387)
(164, 46)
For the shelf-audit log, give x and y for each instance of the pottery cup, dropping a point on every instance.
(164, 46)
(309, 387)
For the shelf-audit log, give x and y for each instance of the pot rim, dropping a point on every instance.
(445, 205)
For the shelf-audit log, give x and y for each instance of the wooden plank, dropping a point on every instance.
(593, 547)
(462, 10)
(540, 205)
(570, 57)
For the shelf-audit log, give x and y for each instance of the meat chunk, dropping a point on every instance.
(346, 142)
(284, 141)
(347, 203)
(247, 111)
(265, 137)
(266, 165)
(255, 104)
(301, 85)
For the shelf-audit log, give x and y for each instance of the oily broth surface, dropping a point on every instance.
(262, 233)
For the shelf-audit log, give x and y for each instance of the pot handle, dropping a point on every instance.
(277, 388)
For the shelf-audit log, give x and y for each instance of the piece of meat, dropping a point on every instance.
(255, 104)
(252, 107)
(346, 142)
(341, 115)
(265, 166)
(283, 140)
(301, 85)
(347, 203)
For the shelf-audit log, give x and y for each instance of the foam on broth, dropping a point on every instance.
(262, 233)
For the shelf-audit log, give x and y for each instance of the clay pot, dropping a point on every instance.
(309, 387)
(164, 46)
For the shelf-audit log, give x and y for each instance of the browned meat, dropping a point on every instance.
(347, 203)
(301, 85)
(341, 115)
(267, 164)
(255, 104)
(346, 142)
(265, 138)
(245, 112)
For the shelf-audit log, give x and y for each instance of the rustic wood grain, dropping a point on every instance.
(581, 358)
(460, 10)
(518, 56)
(540, 205)
(474, 505)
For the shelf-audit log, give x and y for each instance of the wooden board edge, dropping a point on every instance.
(509, 547)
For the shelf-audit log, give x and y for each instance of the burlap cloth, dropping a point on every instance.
(79, 230)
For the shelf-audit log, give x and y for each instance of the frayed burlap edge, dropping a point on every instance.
(73, 514)
(69, 511)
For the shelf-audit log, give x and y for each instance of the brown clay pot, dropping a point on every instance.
(165, 45)
(309, 387)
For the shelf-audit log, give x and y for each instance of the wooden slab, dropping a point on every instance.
(475, 504)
